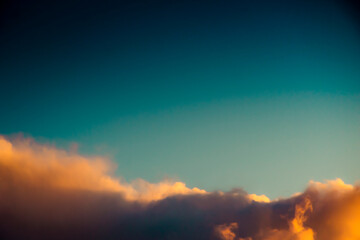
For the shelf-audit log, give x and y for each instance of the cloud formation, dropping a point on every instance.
(46, 166)
(48, 193)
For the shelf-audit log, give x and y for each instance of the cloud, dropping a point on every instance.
(46, 166)
(49, 193)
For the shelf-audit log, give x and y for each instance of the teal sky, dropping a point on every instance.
(267, 144)
(263, 96)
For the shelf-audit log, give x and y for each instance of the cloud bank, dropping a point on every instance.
(48, 193)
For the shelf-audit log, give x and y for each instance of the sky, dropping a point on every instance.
(259, 95)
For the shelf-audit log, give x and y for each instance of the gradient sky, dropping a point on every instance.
(263, 95)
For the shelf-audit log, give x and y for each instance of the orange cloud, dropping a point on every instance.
(43, 165)
(338, 210)
(258, 198)
(49, 193)
(226, 231)
(325, 211)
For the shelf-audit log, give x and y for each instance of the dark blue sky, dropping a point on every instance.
(218, 93)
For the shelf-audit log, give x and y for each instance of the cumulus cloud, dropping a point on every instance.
(46, 166)
(48, 193)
